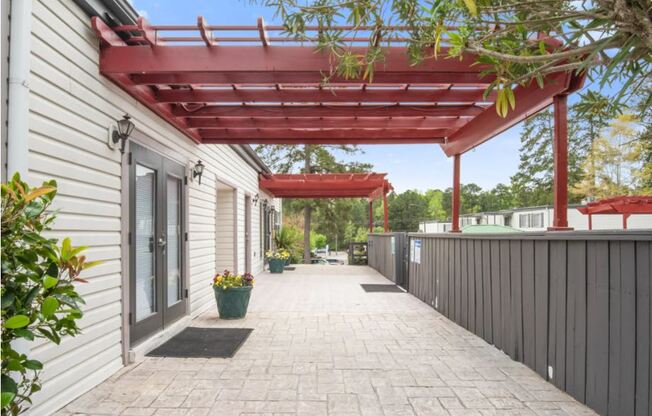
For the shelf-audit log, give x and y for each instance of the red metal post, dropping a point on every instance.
(625, 216)
(371, 216)
(560, 156)
(386, 219)
(456, 194)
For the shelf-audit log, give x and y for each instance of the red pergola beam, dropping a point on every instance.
(422, 122)
(328, 141)
(314, 95)
(310, 134)
(355, 185)
(246, 58)
(303, 77)
(529, 100)
(329, 111)
(619, 205)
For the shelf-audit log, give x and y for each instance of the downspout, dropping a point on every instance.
(18, 91)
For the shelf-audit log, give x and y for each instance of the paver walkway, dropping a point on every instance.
(323, 346)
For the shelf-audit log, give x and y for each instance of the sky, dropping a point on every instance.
(418, 167)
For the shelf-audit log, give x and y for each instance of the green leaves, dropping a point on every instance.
(504, 101)
(470, 5)
(49, 282)
(49, 306)
(7, 397)
(38, 286)
(18, 321)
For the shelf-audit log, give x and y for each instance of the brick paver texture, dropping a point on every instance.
(323, 346)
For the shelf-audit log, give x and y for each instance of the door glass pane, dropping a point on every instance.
(174, 240)
(145, 244)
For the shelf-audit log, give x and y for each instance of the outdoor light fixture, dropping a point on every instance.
(198, 170)
(254, 201)
(122, 133)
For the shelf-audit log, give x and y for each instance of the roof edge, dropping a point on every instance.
(113, 12)
(251, 157)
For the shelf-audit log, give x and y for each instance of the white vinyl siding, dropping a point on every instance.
(71, 107)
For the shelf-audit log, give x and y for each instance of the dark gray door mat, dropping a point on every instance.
(381, 288)
(203, 343)
(289, 268)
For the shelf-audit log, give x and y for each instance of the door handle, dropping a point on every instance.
(162, 242)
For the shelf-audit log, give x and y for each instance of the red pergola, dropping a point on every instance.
(622, 205)
(331, 185)
(266, 88)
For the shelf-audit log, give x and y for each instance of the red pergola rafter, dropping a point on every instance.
(621, 205)
(219, 87)
(330, 185)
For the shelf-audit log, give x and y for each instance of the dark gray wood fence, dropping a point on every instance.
(388, 255)
(574, 307)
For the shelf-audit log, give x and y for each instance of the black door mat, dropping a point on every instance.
(289, 268)
(381, 288)
(203, 343)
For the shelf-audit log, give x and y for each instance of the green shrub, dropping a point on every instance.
(39, 299)
(291, 239)
(317, 240)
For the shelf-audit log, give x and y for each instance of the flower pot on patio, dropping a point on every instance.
(277, 260)
(276, 265)
(232, 293)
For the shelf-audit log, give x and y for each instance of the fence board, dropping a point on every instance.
(643, 273)
(597, 325)
(529, 321)
(506, 300)
(495, 296)
(479, 293)
(541, 306)
(486, 289)
(516, 280)
(576, 323)
(628, 328)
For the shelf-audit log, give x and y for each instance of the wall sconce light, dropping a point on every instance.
(198, 171)
(121, 133)
(254, 201)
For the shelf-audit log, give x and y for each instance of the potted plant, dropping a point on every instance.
(232, 293)
(277, 260)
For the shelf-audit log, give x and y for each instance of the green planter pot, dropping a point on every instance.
(232, 303)
(276, 265)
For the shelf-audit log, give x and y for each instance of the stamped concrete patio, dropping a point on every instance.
(323, 346)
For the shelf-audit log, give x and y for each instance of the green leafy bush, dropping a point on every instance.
(39, 299)
(290, 238)
(317, 240)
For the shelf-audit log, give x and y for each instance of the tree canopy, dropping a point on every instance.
(519, 41)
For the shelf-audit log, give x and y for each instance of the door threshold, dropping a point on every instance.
(137, 352)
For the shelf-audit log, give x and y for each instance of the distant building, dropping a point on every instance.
(539, 219)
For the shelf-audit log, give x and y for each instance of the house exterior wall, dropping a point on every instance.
(71, 107)
(576, 220)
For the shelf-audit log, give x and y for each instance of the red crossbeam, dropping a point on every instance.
(324, 95)
(330, 111)
(336, 134)
(345, 185)
(327, 122)
(619, 205)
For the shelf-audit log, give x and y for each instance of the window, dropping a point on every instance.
(531, 220)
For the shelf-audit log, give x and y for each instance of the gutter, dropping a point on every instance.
(113, 12)
(251, 157)
(18, 91)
